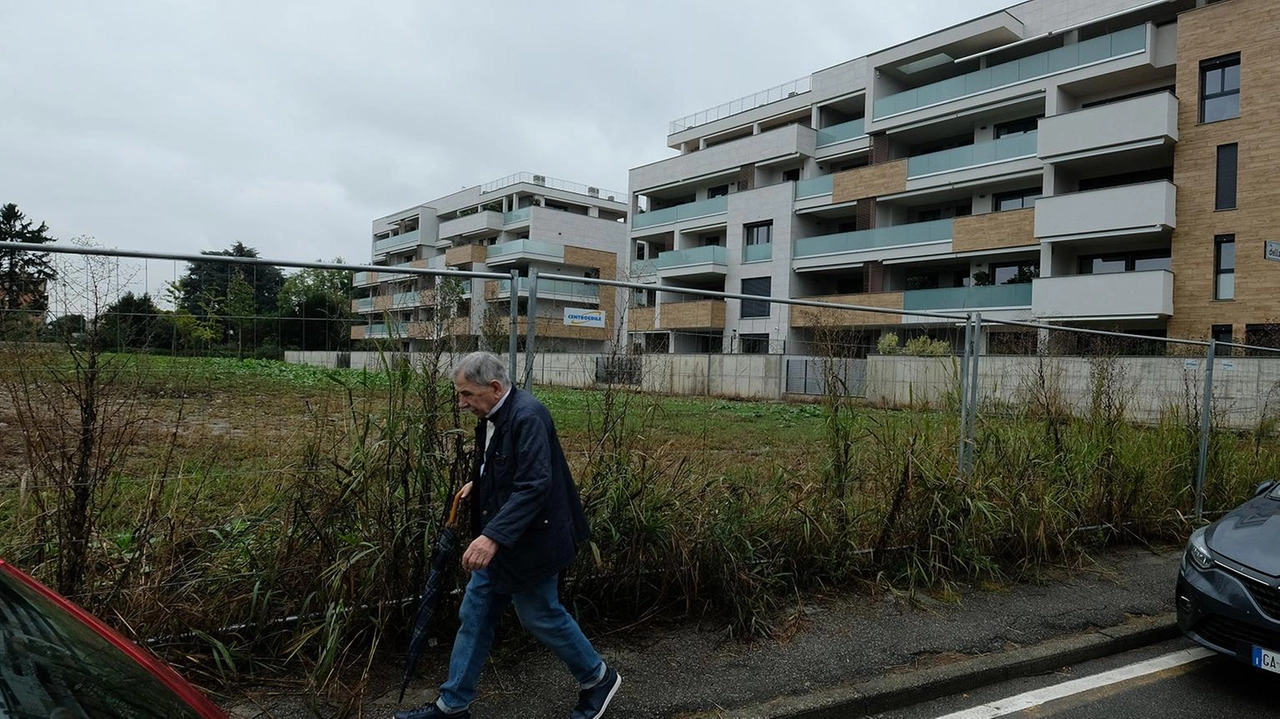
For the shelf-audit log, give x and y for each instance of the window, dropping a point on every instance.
(1224, 267)
(791, 175)
(1125, 262)
(761, 234)
(1015, 273)
(1220, 88)
(1016, 200)
(717, 191)
(756, 286)
(753, 344)
(1225, 197)
(1221, 333)
(1017, 127)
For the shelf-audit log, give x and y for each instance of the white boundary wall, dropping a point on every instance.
(1244, 389)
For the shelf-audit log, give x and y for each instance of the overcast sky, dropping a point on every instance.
(290, 126)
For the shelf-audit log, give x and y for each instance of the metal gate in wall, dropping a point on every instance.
(807, 375)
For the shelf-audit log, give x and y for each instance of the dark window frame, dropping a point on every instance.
(1219, 271)
(756, 309)
(1130, 259)
(1226, 180)
(1216, 69)
(1032, 193)
(750, 233)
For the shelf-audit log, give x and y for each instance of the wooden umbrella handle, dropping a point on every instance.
(453, 510)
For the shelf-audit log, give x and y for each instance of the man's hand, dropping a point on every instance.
(479, 553)
(465, 491)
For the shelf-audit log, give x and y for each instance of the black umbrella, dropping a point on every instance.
(442, 561)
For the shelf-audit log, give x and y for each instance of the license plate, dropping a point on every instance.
(1268, 660)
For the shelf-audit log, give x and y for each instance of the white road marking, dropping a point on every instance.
(1076, 686)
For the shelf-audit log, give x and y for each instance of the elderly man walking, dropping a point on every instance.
(527, 520)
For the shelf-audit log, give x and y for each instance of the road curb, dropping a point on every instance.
(894, 691)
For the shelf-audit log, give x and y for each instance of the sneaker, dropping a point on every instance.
(431, 711)
(592, 702)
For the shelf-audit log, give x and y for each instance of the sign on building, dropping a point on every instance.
(1273, 251)
(579, 317)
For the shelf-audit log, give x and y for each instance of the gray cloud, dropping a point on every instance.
(289, 125)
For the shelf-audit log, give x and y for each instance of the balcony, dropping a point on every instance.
(483, 222)
(842, 132)
(505, 253)
(680, 213)
(1143, 209)
(692, 315)
(465, 255)
(402, 241)
(727, 159)
(384, 331)
(364, 305)
(1099, 49)
(814, 187)
(709, 260)
(547, 289)
(517, 216)
(762, 252)
(978, 154)
(742, 104)
(808, 317)
(1109, 296)
(825, 249)
(994, 230)
(1148, 121)
(641, 319)
(968, 298)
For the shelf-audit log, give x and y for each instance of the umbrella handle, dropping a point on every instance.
(453, 510)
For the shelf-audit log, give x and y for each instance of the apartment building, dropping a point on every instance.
(520, 222)
(1092, 163)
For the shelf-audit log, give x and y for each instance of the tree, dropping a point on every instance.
(24, 276)
(134, 322)
(224, 296)
(315, 309)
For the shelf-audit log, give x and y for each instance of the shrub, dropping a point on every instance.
(888, 344)
(927, 347)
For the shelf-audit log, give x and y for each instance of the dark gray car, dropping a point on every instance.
(1229, 587)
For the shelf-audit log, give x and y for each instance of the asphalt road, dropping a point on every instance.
(1167, 681)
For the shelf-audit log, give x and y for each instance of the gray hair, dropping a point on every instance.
(481, 368)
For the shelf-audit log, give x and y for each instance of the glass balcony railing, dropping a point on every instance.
(757, 253)
(641, 268)
(814, 187)
(687, 211)
(964, 298)
(527, 247)
(406, 239)
(912, 234)
(406, 299)
(1065, 58)
(393, 329)
(979, 153)
(364, 304)
(520, 215)
(843, 131)
(711, 254)
(553, 287)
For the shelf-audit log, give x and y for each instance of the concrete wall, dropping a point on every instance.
(1244, 389)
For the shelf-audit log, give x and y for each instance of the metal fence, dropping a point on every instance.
(1059, 430)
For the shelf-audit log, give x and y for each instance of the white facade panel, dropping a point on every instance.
(1119, 294)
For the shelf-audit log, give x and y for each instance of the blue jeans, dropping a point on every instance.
(540, 613)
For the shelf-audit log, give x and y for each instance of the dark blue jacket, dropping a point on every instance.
(525, 500)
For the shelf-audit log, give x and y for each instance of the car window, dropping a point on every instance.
(51, 664)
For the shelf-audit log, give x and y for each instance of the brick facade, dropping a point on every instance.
(1251, 28)
(994, 231)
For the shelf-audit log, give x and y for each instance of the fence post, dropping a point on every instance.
(973, 387)
(964, 393)
(531, 334)
(515, 321)
(1206, 411)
